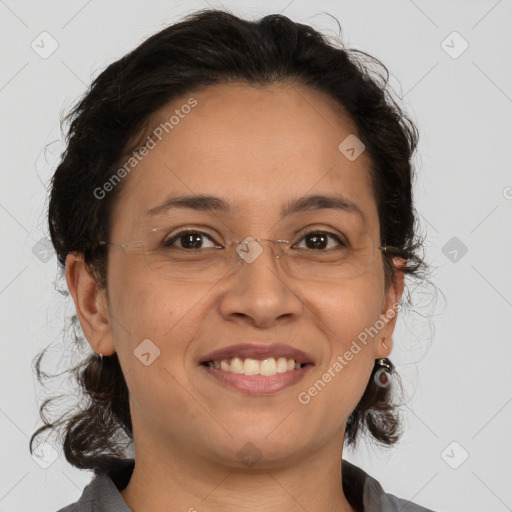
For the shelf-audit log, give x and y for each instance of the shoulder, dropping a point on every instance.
(366, 494)
(102, 493)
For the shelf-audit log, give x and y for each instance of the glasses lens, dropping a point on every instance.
(350, 257)
(189, 255)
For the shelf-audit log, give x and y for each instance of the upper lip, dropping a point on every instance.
(258, 351)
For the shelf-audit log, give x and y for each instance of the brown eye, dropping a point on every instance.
(188, 240)
(318, 240)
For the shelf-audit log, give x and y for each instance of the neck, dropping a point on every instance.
(178, 479)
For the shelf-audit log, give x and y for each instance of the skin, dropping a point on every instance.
(256, 148)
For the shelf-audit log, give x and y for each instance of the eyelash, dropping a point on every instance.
(169, 242)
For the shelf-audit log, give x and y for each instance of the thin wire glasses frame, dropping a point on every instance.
(176, 263)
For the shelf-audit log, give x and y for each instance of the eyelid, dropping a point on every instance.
(177, 235)
(340, 240)
(317, 228)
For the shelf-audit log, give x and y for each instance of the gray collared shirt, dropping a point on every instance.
(363, 492)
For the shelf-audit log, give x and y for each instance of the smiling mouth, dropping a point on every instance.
(249, 366)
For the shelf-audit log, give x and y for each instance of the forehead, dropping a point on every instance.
(257, 148)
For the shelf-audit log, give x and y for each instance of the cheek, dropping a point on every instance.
(347, 309)
(347, 316)
(146, 307)
(154, 322)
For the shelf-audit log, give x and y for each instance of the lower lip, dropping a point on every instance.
(258, 384)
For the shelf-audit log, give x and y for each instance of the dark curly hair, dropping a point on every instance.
(205, 48)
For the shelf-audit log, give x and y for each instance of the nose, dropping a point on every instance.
(259, 292)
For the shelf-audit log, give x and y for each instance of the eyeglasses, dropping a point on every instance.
(326, 256)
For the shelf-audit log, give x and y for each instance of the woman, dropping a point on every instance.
(234, 216)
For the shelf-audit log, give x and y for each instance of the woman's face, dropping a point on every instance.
(258, 150)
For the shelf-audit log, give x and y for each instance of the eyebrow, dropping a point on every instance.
(216, 204)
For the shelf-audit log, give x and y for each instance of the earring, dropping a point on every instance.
(384, 345)
(100, 356)
(383, 370)
(385, 364)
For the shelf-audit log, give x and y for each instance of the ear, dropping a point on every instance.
(91, 305)
(390, 309)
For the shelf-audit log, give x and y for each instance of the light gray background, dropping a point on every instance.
(454, 355)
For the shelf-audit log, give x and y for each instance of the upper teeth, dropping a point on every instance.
(248, 366)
